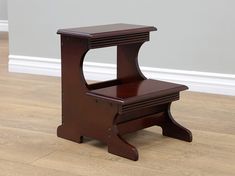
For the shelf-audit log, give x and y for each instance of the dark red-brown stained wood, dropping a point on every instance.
(107, 110)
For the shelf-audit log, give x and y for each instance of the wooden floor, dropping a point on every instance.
(30, 111)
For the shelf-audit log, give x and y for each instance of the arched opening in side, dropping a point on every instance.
(99, 66)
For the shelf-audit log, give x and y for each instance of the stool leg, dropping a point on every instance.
(69, 133)
(118, 146)
(173, 129)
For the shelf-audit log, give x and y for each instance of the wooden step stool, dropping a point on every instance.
(107, 110)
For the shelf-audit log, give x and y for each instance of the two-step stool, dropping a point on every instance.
(107, 110)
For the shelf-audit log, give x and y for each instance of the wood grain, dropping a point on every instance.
(30, 111)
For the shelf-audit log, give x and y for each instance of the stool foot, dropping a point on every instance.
(118, 146)
(173, 129)
(69, 133)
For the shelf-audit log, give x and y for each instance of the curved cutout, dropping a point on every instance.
(99, 65)
(81, 66)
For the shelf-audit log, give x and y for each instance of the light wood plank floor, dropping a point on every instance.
(30, 111)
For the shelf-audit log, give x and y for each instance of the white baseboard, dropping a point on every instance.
(196, 81)
(3, 25)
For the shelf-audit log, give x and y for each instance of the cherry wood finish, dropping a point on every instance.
(108, 110)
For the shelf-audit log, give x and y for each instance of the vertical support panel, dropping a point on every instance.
(127, 62)
(74, 87)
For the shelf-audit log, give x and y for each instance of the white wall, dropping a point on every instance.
(192, 35)
(3, 9)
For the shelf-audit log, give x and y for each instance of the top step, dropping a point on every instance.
(106, 30)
